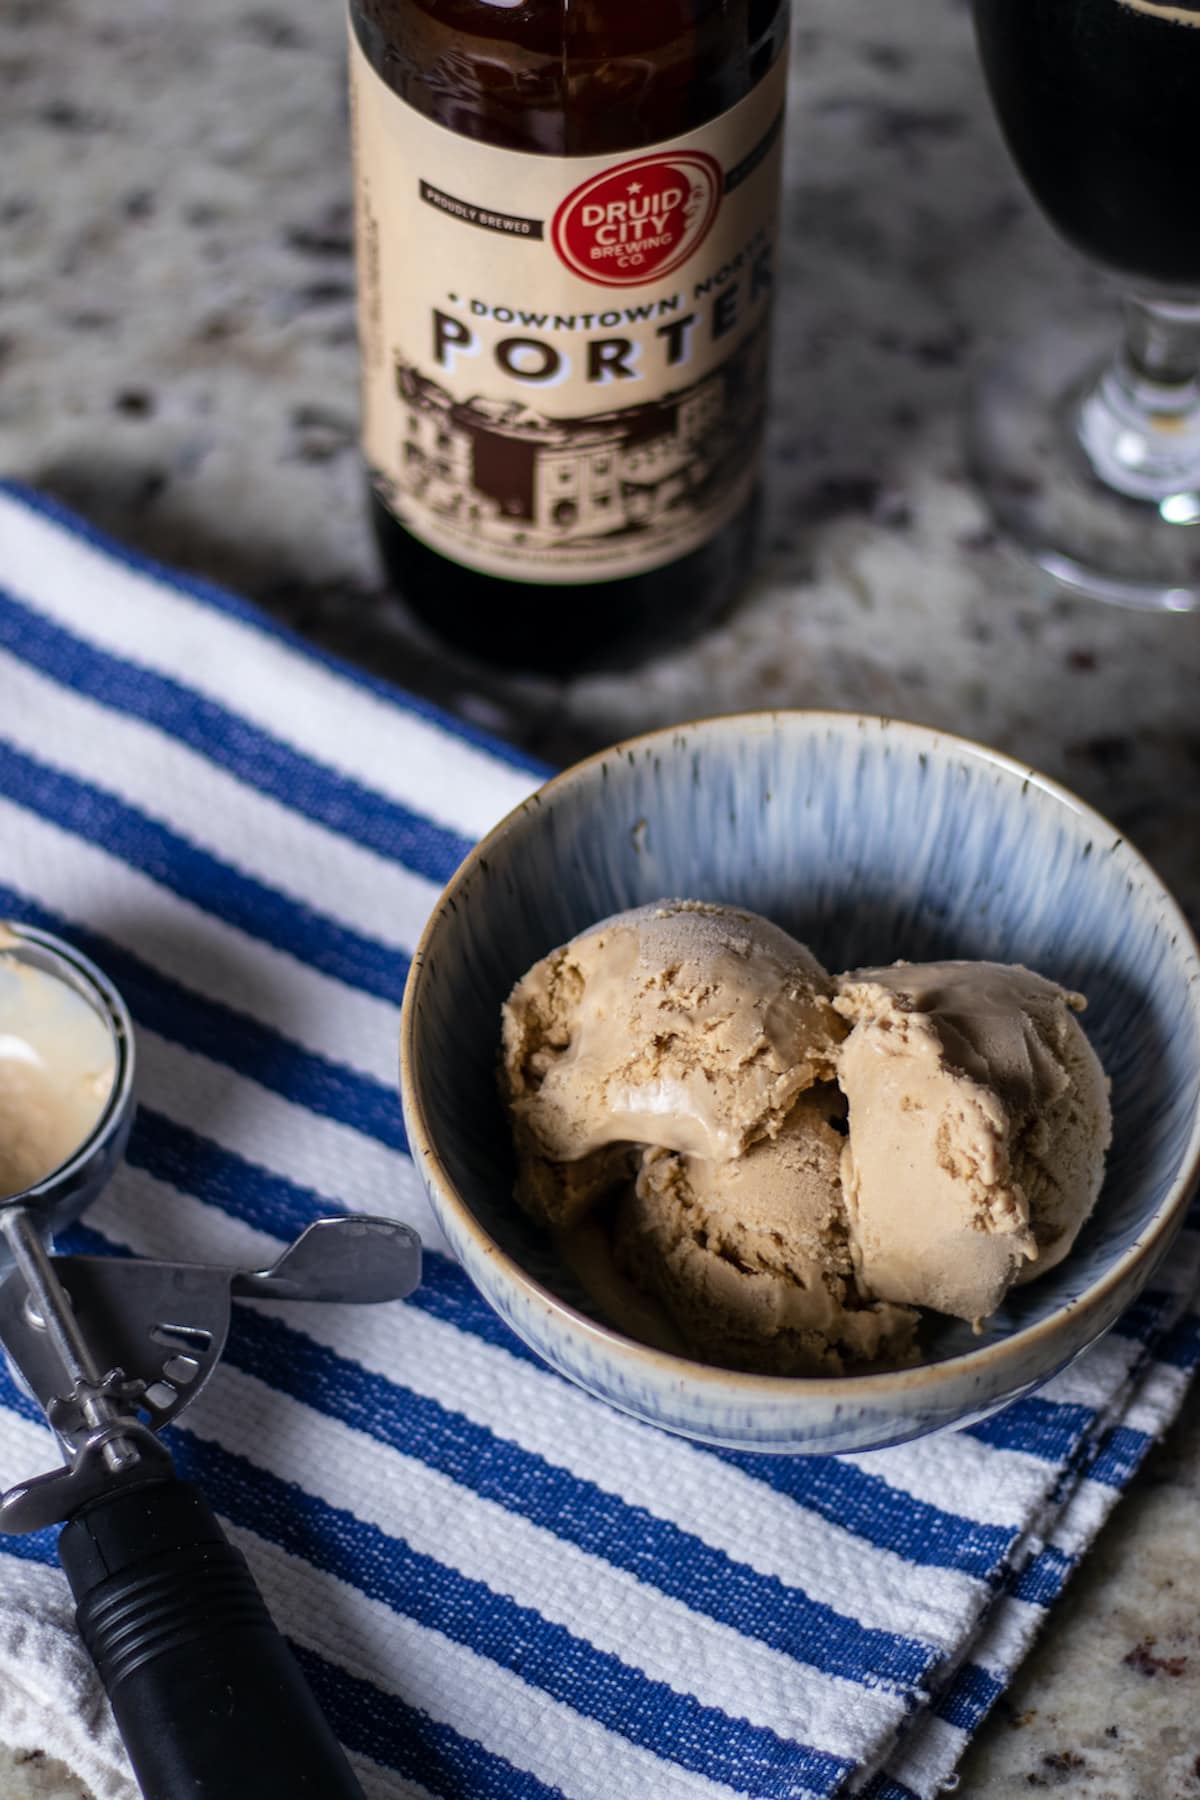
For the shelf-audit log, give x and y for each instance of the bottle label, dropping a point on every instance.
(564, 359)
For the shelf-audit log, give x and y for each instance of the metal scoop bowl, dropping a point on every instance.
(208, 1697)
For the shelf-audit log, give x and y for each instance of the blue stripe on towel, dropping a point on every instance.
(600, 1523)
(1120, 1455)
(1043, 1577)
(367, 1719)
(870, 1507)
(1181, 1347)
(260, 622)
(421, 1749)
(231, 742)
(219, 1177)
(164, 856)
(863, 1504)
(230, 1037)
(654, 1735)
(969, 1698)
(750, 1759)
(1048, 1429)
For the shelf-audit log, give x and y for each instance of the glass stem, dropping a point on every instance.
(1139, 420)
(1162, 343)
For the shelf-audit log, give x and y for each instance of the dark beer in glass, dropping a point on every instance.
(1100, 103)
(1095, 466)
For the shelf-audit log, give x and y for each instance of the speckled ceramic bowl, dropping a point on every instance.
(869, 840)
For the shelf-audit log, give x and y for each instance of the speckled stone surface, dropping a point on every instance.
(177, 360)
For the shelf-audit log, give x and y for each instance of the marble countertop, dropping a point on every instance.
(177, 360)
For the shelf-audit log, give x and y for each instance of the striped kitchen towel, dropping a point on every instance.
(500, 1589)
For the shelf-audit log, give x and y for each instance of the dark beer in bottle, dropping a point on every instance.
(566, 216)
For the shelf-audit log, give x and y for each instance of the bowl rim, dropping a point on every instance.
(875, 1384)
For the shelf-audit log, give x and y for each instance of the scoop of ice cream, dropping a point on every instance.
(561, 1193)
(685, 1025)
(979, 1122)
(751, 1258)
(57, 1066)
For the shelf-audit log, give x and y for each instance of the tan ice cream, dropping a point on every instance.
(57, 1067)
(979, 1122)
(561, 1193)
(669, 1076)
(684, 1025)
(751, 1258)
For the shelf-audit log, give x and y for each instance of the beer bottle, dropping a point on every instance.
(566, 214)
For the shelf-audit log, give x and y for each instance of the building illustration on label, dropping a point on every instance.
(500, 475)
(564, 357)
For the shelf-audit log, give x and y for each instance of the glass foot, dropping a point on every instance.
(1093, 471)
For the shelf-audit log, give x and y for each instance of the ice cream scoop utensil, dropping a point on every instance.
(107, 1345)
(208, 1697)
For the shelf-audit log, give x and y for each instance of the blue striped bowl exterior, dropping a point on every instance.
(870, 840)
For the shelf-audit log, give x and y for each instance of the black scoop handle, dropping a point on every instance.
(208, 1697)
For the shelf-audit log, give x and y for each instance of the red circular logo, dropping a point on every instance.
(638, 222)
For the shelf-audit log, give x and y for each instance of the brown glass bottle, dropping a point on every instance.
(580, 80)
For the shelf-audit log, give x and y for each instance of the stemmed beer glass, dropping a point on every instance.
(1094, 466)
